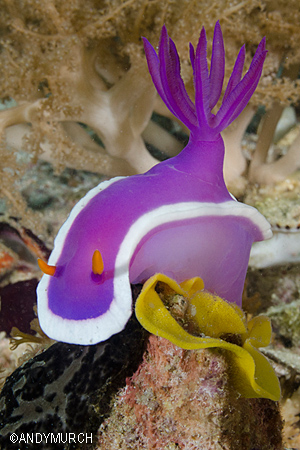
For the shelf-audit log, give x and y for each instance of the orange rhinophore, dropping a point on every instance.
(48, 270)
(97, 263)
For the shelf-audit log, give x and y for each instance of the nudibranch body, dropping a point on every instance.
(177, 219)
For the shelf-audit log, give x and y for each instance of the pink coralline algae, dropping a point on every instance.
(181, 399)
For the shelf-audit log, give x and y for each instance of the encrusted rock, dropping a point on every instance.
(181, 399)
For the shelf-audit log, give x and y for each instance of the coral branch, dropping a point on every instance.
(235, 161)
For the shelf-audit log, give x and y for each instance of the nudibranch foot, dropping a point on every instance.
(215, 323)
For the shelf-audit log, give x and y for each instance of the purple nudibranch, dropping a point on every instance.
(177, 219)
